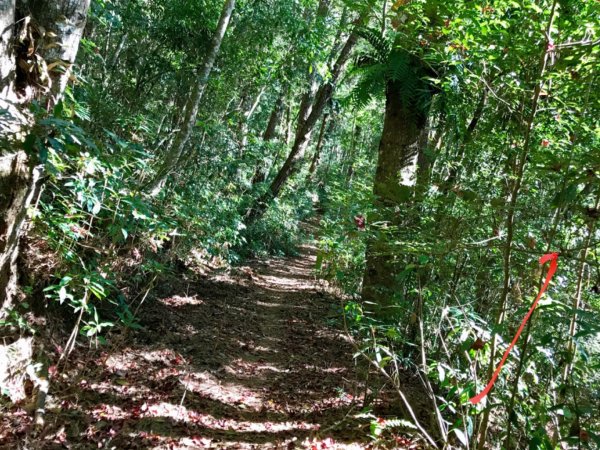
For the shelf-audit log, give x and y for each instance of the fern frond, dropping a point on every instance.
(379, 43)
(365, 60)
(398, 66)
(370, 85)
(389, 63)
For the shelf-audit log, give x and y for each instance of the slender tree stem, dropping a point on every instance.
(510, 219)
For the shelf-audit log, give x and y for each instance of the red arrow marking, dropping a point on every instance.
(553, 258)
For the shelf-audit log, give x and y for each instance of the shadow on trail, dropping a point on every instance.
(241, 360)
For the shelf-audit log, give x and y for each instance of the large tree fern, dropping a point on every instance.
(386, 62)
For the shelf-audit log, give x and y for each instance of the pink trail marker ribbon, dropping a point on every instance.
(553, 258)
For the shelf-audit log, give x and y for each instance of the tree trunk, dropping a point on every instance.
(193, 104)
(307, 102)
(63, 22)
(260, 174)
(454, 171)
(15, 178)
(356, 131)
(245, 119)
(274, 119)
(53, 28)
(315, 161)
(7, 64)
(66, 19)
(383, 17)
(395, 176)
(109, 68)
(288, 123)
(296, 153)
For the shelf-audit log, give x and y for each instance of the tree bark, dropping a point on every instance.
(66, 20)
(109, 68)
(63, 22)
(274, 119)
(307, 102)
(53, 28)
(7, 64)
(478, 113)
(193, 104)
(352, 153)
(14, 187)
(395, 176)
(315, 160)
(288, 123)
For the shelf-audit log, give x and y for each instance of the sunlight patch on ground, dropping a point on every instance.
(177, 301)
(245, 368)
(272, 305)
(207, 385)
(119, 387)
(129, 369)
(166, 356)
(335, 402)
(260, 348)
(109, 412)
(182, 414)
(285, 283)
(129, 359)
(123, 361)
(198, 441)
(330, 444)
(325, 369)
(255, 348)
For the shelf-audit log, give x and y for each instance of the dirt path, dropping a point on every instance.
(244, 360)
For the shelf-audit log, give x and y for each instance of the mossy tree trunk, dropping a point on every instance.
(400, 146)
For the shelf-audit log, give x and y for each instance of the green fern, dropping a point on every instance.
(382, 47)
(397, 65)
(370, 84)
(388, 63)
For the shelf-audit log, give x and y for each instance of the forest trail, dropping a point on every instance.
(247, 359)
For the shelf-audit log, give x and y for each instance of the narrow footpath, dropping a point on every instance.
(248, 359)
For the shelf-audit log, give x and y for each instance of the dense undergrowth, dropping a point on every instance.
(106, 237)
